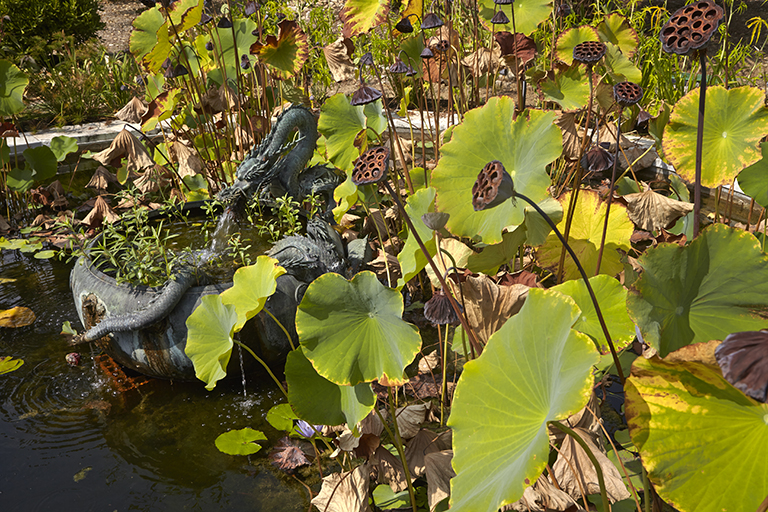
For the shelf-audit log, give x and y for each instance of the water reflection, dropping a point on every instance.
(69, 441)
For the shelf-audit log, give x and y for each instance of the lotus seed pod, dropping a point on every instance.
(743, 358)
(426, 53)
(365, 95)
(435, 220)
(404, 26)
(597, 159)
(589, 52)
(627, 93)
(493, 186)
(431, 20)
(500, 18)
(691, 27)
(438, 310)
(371, 167)
(399, 67)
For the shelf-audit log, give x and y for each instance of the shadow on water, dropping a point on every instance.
(69, 441)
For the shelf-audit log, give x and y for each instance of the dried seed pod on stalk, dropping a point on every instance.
(371, 167)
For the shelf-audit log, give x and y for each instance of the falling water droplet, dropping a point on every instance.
(242, 369)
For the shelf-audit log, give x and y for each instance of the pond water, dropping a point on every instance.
(72, 438)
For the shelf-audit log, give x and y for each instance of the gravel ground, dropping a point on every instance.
(118, 16)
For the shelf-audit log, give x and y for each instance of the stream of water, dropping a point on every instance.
(70, 441)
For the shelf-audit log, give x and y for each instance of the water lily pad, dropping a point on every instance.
(353, 331)
(320, 401)
(612, 297)
(615, 29)
(253, 285)
(9, 364)
(411, 258)
(210, 328)
(16, 317)
(585, 236)
(360, 16)
(286, 54)
(12, 85)
(715, 286)
(528, 14)
(533, 370)
(45, 255)
(240, 442)
(569, 39)
(695, 433)
(62, 146)
(734, 122)
(569, 88)
(525, 146)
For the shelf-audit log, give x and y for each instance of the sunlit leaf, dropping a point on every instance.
(360, 16)
(45, 255)
(528, 14)
(703, 442)
(9, 364)
(209, 339)
(615, 29)
(411, 258)
(569, 88)
(734, 122)
(586, 233)
(20, 180)
(715, 286)
(320, 401)
(240, 442)
(12, 85)
(62, 146)
(754, 179)
(281, 417)
(286, 54)
(253, 285)
(353, 331)
(568, 40)
(16, 317)
(531, 372)
(525, 146)
(620, 67)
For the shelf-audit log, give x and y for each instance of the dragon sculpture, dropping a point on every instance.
(275, 166)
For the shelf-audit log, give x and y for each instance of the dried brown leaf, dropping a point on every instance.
(489, 306)
(429, 362)
(189, 161)
(125, 145)
(566, 121)
(651, 211)
(544, 497)
(345, 492)
(371, 424)
(101, 179)
(287, 455)
(482, 61)
(438, 473)
(389, 469)
(337, 55)
(132, 111)
(101, 212)
(422, 444)
(152, 180)
(410, 418)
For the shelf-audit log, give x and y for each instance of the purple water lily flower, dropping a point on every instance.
(307, 430)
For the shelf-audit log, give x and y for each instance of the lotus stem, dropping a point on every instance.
(592, 295)
(520, 99)
(699, 144)
(610, 193)
(266, 367)
(399, 446)
(470, 333)
(282, 327)
(598, 469)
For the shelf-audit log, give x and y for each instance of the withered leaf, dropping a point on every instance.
(101, 212)
(489, 306)
(132, 111)
(743, 357)
(410, 418)
(340, 65)
(16, 317)
(125, 145)
(152, 180)
(345, 492)
(651, 211)
(566, 121)
(422, 444)
(189, 161)
(389, 469)
(101, 179)
(438, 473)
(429, 362)
(545, 497)
(287, 455)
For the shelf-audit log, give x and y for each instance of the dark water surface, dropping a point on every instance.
(70, 441)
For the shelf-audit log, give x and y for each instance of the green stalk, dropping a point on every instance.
(598, 469)
(282, 327)
(266, 367)
(610, 193)
(399, 447)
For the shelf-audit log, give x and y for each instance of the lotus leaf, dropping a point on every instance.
(9, 364)
(754, 179)
(62, 146)
(612, 297)
(411, 258)
(619, 66)
(12, 85)
(715, 286)
(525, 146)
(569, 39)
(569, 88)
(235, 42)
(360, 16)
(703, 442)
(285, 54)
(240, 442)
(492, 257)
(210, 328)
(42, 161)
(341, 124)
(528, 14)
(353, 331)
(533, 370)
(734, 122)
(253, 285)
(585, 236)
(144, 36)
(281, 417)
(20, 180)
(320, 401)
(615, 29)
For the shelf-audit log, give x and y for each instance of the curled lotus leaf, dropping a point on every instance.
(705, 291)
(734, 122)
(703, 442)
(524, 146)
(530, 372)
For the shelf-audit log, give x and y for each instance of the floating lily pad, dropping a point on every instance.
(715, 286)
(524, 146)
(734, 122)
(353, 331)
(240, 442)
(320, 401)
(703, 442)
(533, 370)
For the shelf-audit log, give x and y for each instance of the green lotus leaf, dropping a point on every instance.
(528, 14)
(20, 180)
(612, 297)
(533, 370)
(615, 29)
(62, 146)
(620, 67)
(536, 227)
(209, 339)
(387, 499)
(525, 146)
(411, 258)
(9, 364)
(42, 161)
(5, 153)
(353, 331)
(281, 417)
(703, 442)
(412, 47)
(321, 402)
(253, 285)
(286, 54)
(150, 32)
(234, 42)
(715, 286)
(360, 16)
(240, 442)
(569, 88)
(754, 179)
(493, 256)
(345, 196)
(572, 37)
(734, 122)
(585, 236)
(12, 85)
